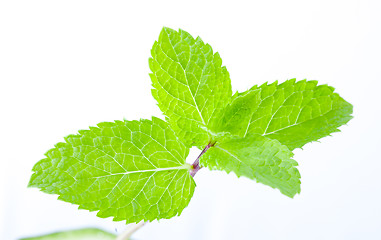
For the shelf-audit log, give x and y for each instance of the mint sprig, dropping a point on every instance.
(136, 170)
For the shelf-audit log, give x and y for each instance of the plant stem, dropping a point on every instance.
(196, 165)
(130, 230)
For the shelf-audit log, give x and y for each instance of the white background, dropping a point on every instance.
(65, 65)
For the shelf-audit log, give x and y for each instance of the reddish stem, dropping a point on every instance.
(196, 165)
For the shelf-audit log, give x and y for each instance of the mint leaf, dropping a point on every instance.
(256, 157)
(294, 113)
(78, 234)
(237, 115)
(190, 85)
(128, 170)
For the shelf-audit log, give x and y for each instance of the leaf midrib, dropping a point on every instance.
(193, 97)
(296, 121)
(185, 166)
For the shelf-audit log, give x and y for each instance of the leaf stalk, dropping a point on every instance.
(196, 164)
(130, 230)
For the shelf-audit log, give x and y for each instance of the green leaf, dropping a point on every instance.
(256, 157)
(79, 234)
(294, 113)
(128, 170)
(190, 85)
(237, 115)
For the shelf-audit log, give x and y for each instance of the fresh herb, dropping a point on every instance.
(136, 171)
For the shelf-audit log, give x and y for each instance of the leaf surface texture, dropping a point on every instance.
(128, 170)
(189, 83)
(256, 157)
(294, 113)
